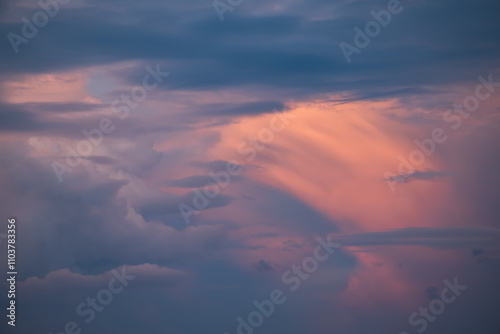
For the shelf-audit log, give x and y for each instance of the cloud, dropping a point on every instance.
(120, 207)
(65, 280)
(15, 118)
(477, 252)
(170, 205)
(196, 181)
(427, 175)
(243, 109)
(216, 166)
(263, 266)
(439, 237)
(293, 50)
(101, 160)
(432, 292)
(89, 218)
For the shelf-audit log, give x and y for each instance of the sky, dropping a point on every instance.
(240, 167)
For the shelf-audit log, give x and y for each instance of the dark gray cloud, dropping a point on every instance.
(432, 292)
(438, 237)
(291, 51)
(280, 207)
(15, 118)
(215, 165)
(417, 175)
(477, 252)
(250, 108)
(67, 107)
(101, 160)
(264, 266)
(51, 119)
(196, 181)
(170, 205)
